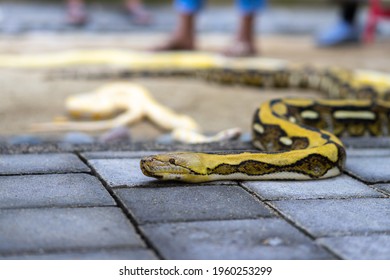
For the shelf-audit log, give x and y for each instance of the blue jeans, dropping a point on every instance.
(194, 6)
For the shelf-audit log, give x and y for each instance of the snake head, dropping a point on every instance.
(172, 166)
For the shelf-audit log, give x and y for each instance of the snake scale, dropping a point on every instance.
(298, 138)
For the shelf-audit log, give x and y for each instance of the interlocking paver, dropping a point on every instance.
(118, 154)
(40, 163)
(115, 254)
(375, 247)
(383, 187)
(370, 169)
(43, 229)
(191, 203)
(368, 152)
(339, 216)
(99, 233)
(235, 239)
(367, 143)
(127, 172)
(339, 187)
(52, 190)
(122, 172)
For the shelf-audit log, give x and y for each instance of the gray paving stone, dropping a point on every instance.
(52, 190)
(122, 172)
(234, 239)
(118, 154)
(41, 163)
(368, 152)
(115, 254)
(366, 142)
(339, 187)
(127, 172)
(173, 204)
(374, 247)
(340, 216)
(383, 187)
(370, 169)
(38, 230)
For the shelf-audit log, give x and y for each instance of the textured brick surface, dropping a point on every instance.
(239, 239)
(52, 190)
(370, 169)
(51, 209)
(375, 247)
(368, 152)
(339, 187)
(42, 163)
(112, 254)
(191, 203)
(64, 228)
(339, 217)
(368, 143)
(122, 172)
(383, 187)
(118, 155)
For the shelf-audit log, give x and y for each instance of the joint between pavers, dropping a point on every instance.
(43, 173)
(173, 185)
(355, 176)
(125, 211)
(368, 184)
(121, 187)
(351, 234)
(387, 195)
(289, 221)
(257, 196)
(71, 250)
(207, 220)
(59, 207)
(323, 198)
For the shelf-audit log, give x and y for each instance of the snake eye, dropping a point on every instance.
(172, 161)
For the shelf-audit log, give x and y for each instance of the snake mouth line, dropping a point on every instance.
(153, 167)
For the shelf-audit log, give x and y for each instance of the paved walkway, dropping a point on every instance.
(98, 205)
(92, 202)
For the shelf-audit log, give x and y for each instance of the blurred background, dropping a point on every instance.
(286, 29)
(281, 17)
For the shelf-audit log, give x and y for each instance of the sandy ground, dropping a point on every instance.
(29, 96)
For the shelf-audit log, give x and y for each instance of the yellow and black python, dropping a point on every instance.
(298, 137)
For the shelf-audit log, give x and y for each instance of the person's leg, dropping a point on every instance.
(137, 10)
(183, 37)
(244, 41)
(345, 30)
(76, 13)
(349, 11)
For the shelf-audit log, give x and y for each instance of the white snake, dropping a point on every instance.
(133, 103)
(293, 133)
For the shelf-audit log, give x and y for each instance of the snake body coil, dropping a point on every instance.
(298, 137)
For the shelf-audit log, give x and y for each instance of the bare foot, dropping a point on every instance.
(175, 44)
(240, 49)
(76, 14)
